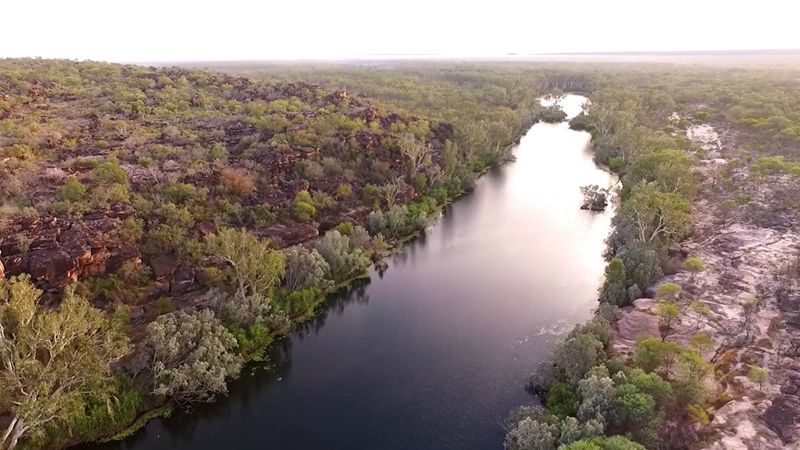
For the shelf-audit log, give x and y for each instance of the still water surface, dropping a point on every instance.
(434, 352)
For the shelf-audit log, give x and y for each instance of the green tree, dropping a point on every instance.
(653, 354)
(613, 290)
(51, 359)
(252, 266)
(668, 292)
(695, 265)
(577, 355)
(667, 312)
(668, 169)
(656, 215)
(562, 400)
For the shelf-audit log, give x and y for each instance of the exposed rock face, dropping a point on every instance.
(164, 266)
(61, 251)
(289, 233)
(637, 323)
(741, 304)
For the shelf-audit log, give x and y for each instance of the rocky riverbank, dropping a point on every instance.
(743, 300)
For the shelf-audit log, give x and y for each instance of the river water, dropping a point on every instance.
(433, 352)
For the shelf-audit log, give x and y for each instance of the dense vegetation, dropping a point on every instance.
(159, 228)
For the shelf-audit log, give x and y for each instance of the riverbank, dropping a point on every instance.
(453, 313)
(309, 315)
(744, 300)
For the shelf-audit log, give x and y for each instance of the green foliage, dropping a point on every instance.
(604, 443)
(694, 264)
(72, 190)
(343, 260)
(562, 400)
(109, 172)
(614, 287)
(253, 341)
(757, 375)
(252, 266)
(192, 354)
(653, 214)
(668, 291)
(56, 362)
(575, 356)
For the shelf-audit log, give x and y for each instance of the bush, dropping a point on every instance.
(305, 269)
(72, 190)
(238, 182)
(192, 354)
(344, 191)
(344, 261)
(562, 400)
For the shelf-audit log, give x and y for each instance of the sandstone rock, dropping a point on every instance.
(633, 326)
(163, 266)
(121, 255)
(783, 416)
(183, 281)
(289, 233)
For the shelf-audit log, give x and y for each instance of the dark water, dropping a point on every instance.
(433, 353)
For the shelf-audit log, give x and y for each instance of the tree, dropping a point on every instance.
(668, 169)
(613, 290)
(51, 358)
(597, 397)
(561, 400)
(655, 214)
(667, 312)
(653, 354)
(695, 265)
(668, 292)
(252, 266)
(604, 443)
(343, 260)
(532, 434)
(634, 412)
(192, 354)
(304, 269)
(417, 152)
(577, 355)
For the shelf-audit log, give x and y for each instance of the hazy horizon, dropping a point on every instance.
(182, 31)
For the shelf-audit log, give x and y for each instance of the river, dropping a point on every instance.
(433, 352)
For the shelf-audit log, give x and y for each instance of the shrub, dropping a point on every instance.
(344, 191)
(192, 354)
(304, 211)
(305, 269)
(562, 400)
(72, 190)
(238, 182)
(344, 262)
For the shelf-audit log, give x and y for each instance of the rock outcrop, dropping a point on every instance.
(56, 252)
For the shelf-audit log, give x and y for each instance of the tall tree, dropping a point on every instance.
(51, 358)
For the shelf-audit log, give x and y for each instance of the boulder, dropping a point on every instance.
(289, 233)
(783, 416)
(183, 281)
(163, 266)
(121, 255)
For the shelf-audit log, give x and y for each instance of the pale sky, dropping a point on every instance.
(202, 30)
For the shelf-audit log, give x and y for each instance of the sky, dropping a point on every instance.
(200, 30)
